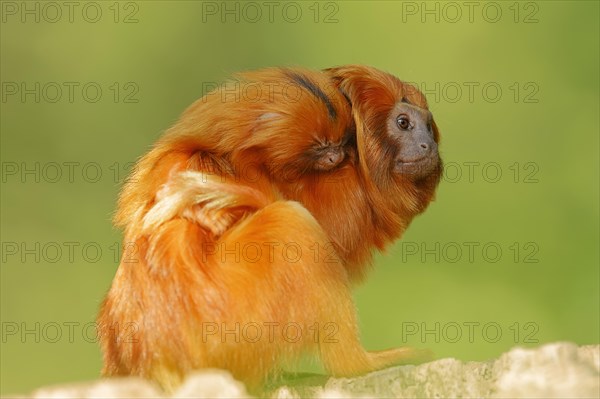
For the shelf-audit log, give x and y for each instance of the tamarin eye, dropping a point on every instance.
(403, 122)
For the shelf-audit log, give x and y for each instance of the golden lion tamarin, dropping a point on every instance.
(247, 222)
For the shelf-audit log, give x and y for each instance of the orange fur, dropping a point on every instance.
(212, 211)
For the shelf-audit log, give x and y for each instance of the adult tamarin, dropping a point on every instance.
(247, 222)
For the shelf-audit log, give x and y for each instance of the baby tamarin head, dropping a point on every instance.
(304, 125)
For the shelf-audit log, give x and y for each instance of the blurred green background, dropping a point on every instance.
(513, 86)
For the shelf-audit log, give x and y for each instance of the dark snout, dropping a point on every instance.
(418, 155)
(419, 145)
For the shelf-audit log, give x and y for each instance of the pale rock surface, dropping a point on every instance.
(558, 370)
(554, 371)
(125, 387)
(214, 384)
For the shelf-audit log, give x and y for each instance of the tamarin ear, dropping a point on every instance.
(344, 80)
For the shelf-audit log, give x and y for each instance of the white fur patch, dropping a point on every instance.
(197, 196)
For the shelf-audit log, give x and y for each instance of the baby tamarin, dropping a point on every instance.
(275, 125)
(228, 270)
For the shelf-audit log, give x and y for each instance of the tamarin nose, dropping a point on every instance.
(426, 147)
(330, 159)
(334, 158)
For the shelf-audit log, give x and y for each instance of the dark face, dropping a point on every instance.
(411, 127)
